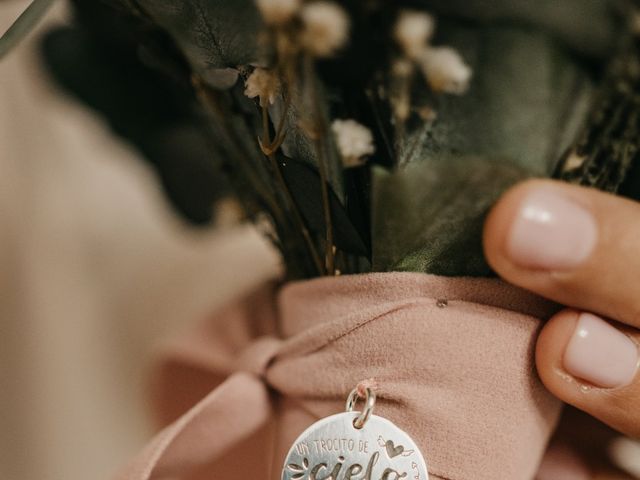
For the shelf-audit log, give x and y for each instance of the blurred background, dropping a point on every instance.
(96, 268)
(95, 271)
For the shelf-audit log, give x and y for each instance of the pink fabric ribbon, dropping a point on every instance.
(452, 359)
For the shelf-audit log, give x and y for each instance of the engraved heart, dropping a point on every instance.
(392, 450)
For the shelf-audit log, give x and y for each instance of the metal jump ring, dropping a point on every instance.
(369, 403)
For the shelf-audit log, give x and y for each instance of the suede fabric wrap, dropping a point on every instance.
(458, 377)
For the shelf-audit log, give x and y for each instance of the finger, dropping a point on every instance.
(592, 364)
(574, 245)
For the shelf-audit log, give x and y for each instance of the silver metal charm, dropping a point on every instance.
(355, 446)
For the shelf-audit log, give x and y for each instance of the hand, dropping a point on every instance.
(581, 248)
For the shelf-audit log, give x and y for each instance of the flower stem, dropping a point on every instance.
(401, 112)
(320, 132)
(322, 167)
(290, 200)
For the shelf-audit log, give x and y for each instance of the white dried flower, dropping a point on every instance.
(278, 12)
(263, 83)
(402, 108)
(402, 68)
(445, 70)
(355, 142)
(228, 213)
(413, 30)
(427, 114)
(326, 28)
(266, 226)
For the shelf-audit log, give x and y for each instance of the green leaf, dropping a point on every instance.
(303, 181)
(590, 27)
(299, 145)
(428, 217)
(525, 103)
(216, 36)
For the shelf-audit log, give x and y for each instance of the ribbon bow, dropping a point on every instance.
(458, 376)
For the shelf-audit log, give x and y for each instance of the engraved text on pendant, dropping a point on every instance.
(333, 449)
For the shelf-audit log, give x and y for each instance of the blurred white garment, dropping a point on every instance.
(94, 270)
(626, 454)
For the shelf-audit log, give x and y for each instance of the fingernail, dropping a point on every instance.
(551, 232)
(601, 354)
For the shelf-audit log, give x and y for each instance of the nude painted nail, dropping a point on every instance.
(551, 232)
(601, 354)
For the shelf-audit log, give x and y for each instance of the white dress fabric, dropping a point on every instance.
(94, 271)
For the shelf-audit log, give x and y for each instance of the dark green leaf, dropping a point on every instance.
(590, 27)
(428, 217)
(216, 36)
(525, 103)
(304, 183)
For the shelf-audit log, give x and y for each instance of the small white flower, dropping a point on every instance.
(402, 108)
(326, 28)
(263, 83)
(355, 142)
(228, 213)
(427, 114)
(445, 70)
(413, 30)
(266, 226)
(402, 68)
(278, 12)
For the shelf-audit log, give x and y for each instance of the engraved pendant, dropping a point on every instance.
(354, 446)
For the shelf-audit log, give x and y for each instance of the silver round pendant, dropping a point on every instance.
(334, 448)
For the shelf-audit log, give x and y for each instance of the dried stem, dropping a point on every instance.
(211, 105)
(416, 142)
(319, 133)
(401, 105)
(270, 146)
(329, 250)
(280, 129)
(285, 188)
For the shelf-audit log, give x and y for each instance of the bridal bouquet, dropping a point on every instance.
(369, 137)
(360, 135)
